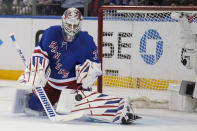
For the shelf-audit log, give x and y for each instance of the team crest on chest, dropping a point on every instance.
(54, 49)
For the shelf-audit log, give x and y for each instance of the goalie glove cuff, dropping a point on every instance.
(88, 73)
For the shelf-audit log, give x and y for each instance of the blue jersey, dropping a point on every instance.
(64, 56)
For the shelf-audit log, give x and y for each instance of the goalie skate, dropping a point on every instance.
(129, 118)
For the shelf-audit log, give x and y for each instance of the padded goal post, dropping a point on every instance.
(138, 46)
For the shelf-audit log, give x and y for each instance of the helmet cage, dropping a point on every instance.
(71, 23)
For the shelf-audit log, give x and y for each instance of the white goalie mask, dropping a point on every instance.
(71, 23)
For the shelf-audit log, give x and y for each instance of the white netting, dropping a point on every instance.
(140, 51)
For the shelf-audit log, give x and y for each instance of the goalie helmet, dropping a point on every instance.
(71, 23)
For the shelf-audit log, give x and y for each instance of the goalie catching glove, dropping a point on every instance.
(88, 73)
(36, 73)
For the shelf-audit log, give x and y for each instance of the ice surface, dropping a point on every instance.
(153, 119)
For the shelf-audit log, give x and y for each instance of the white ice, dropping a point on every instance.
(153, 119)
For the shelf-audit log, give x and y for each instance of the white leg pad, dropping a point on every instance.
(95, 105)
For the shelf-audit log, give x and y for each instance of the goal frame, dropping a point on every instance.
(142, 8)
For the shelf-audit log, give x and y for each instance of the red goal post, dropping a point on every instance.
(139, 12)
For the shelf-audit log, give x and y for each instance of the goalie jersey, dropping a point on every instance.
(63, 56)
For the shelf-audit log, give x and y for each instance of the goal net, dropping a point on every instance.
(140, 52)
